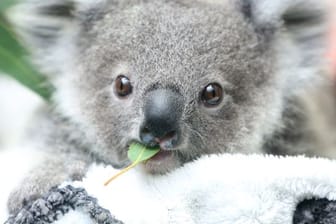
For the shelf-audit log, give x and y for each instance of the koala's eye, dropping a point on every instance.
(123, 86)
(212, 95)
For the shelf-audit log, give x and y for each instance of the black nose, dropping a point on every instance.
(163, 110)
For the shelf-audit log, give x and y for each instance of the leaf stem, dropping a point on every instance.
(127, 168)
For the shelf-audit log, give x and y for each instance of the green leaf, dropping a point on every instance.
(5, 4)
(14, 62)
(138, 153)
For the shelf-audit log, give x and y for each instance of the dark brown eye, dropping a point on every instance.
(123, 86)
(212, 95)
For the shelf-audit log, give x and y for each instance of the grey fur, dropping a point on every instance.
(263, 53)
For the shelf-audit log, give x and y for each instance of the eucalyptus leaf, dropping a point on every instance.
(139, 153)
(14, 61)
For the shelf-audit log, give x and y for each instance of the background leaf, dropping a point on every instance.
(14, 60)
(5, 4)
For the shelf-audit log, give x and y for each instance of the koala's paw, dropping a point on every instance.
(18, 199)
(59, 201)
(41, 179)
(29, 190)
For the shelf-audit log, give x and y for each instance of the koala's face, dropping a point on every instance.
(190, 79)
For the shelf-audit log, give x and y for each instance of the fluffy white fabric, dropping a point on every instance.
(217, 189)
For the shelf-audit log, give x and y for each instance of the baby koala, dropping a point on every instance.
(193, 77)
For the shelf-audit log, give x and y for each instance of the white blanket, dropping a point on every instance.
(228, 189)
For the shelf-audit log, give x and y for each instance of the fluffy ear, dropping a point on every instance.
(300, 16)
(300, 28)
(49, 28)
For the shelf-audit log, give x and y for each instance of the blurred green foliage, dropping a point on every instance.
(5, 4)
(14, 58)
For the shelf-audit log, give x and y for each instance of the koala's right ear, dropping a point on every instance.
(303, 25)
(266, 14)
(49, 28)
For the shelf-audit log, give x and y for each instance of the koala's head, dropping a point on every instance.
(192, 77)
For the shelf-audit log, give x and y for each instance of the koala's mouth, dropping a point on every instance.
(161, 155)
(167, 159)
(163, 162)
(166, 151)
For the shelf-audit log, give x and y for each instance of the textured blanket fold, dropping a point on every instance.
(228, 189)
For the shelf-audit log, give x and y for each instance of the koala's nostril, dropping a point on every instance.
(169, 140)
(147, 137)
(166, 141)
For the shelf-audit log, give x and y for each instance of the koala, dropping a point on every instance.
(193, 77)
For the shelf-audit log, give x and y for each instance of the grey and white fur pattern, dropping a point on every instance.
(264, 54)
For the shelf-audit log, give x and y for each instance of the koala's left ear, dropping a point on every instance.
(49, 27)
